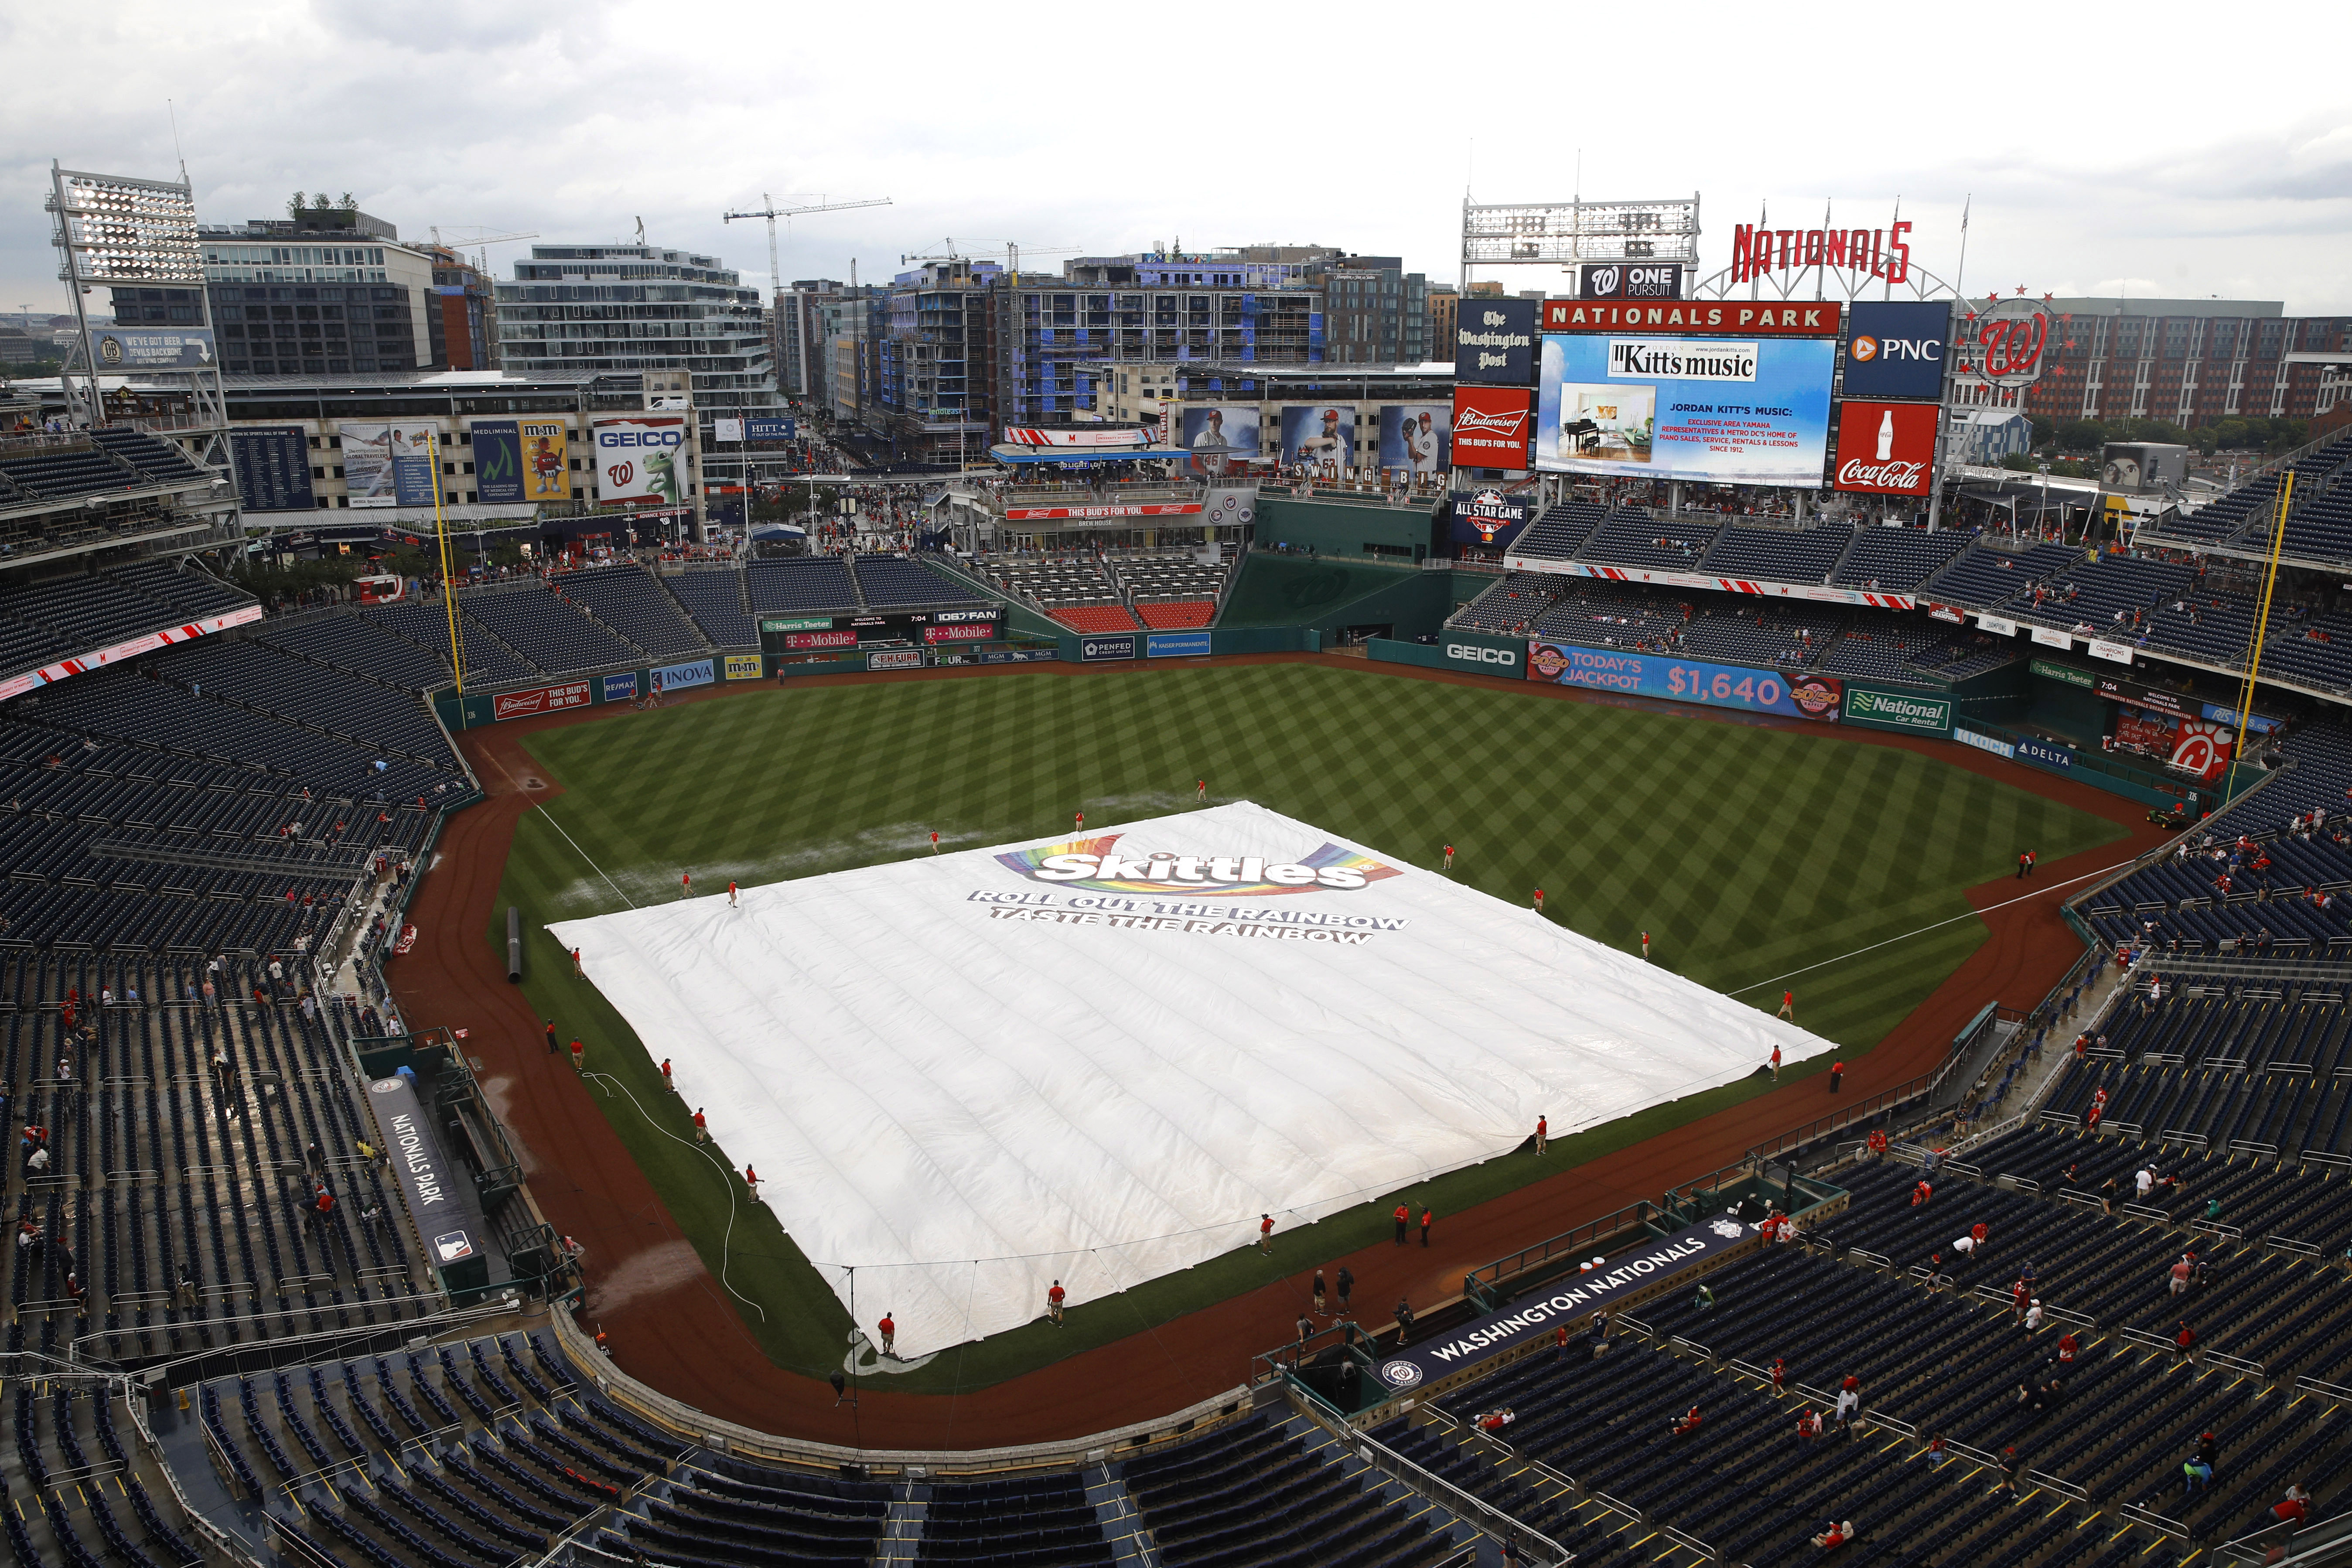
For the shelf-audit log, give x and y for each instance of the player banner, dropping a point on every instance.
(1803, 694)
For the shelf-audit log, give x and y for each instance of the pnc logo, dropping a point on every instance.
(1864, 348)
(1470, 655)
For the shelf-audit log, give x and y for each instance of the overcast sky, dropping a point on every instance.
(2102, 156)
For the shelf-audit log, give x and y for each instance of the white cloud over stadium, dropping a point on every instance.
(1098, 1060)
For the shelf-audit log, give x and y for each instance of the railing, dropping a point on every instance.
(1388, 1462)
(1480, 1283)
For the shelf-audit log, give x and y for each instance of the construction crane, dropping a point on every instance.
(1011, 253)
(481, 242)
(771, 211)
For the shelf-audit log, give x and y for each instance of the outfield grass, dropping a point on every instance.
(1745, 852)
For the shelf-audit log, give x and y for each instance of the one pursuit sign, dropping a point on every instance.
(1568, 1302)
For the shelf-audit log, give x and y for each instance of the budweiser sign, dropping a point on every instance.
(1492, 427)
(1885, 448)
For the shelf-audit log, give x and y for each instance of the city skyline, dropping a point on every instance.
(520, 123)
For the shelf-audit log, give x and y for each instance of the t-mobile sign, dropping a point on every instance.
(1885, 448)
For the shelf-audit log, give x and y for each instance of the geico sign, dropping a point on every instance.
(639, 438)
(1470, 655)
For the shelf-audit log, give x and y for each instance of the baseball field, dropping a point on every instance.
(1747, 853)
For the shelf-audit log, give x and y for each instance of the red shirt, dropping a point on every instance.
(888, 1327)
(1055, 1295)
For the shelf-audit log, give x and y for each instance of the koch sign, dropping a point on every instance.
(1567, 1303)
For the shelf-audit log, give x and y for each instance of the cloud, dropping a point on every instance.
(575, 121)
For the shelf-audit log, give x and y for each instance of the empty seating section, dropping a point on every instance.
(799, 585)
(1276, 1495)
(893, 581)
(1779, 555)
(1984, 578)
(488, 661)
(2109, 596)
(347, 640)
(2318, 524)
(1781, 633)
(1601, 613)
(1079, 594)
(158, 459)
(1560, 530)
(93, 1490)
(550, 633)
(479, 1453)
(1170, 592)
(1635, 539)
(715, 600)
(89, 471)
(1043, 1520)
(250, 675)
(69, 616)
(627, 601)
(1512, 605)
(1176, 614)
(1897, 559)
(1915, 650)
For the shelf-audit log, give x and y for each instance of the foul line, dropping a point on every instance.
(1972, 914)
(583, 855)
(725, 1253)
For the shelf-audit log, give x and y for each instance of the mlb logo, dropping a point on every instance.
(453, 1245)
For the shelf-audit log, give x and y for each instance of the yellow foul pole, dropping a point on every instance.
(2261, 625)
(448, 577)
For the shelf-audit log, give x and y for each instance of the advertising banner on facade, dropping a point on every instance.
(1494, 342)
(1802, 695)
(272, 464)
(1222, 438)
(497, 461)
(641, 457)
(388, 464)
(679, 677)
(621, 688)
(969, 631)
(1489, 518)
(1723, 410)
(1819, 594)
(1885, 448)
(744, 667)
(895, 658)
(2048, 637)
(1319, 438)
(1630, 280)
(768, 427)
(1089, 513)
(2115, 689)
(1492, 427)
(1902, 710)
(2196, 746)
(507, 705)
(730, 430)
(1414, 438)
(1093, 649)
(155, 348)
(2049, 753)
(546, 459)
(1895, 348)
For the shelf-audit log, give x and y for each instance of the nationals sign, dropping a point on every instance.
(1810, 319)
(1885, 448)
(1492, 427)
(2002, 341)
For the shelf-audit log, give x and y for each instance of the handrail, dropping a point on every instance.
(1470, 1510)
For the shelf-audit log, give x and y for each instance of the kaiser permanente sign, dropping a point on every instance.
(1569, 1301)
(1898, 711)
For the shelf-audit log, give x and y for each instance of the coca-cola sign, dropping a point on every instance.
(1885, 448)
(1492, 426)
(2001, 340)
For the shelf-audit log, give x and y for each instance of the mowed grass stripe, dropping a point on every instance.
(1745, 851)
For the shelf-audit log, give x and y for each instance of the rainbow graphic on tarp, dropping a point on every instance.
(1027, 862)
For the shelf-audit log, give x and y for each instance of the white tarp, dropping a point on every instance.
(968, 1097)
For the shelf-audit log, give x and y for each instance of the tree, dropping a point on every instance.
(2082, 436)
(2046, 429)
(350, 204)
(294, 206)
(2019, 462)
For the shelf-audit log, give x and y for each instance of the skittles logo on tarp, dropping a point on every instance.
(1093, 863)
